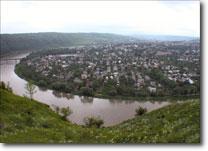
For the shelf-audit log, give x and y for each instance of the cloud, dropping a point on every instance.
(151, 17)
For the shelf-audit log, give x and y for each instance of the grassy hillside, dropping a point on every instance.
(26, 121)
(36, 41)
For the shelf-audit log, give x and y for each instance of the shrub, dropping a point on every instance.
(93, 122)
(65, 112)
(86, 91)
(112, 92)
(2, 85)
(29, 121)
(8, 87)
(30, 89)
(56, 108)
(140, 110)
(5, 86)
(59, 86)
(42, 83)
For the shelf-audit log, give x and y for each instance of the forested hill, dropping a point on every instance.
(35, 41)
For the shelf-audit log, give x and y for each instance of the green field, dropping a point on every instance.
(26, 121)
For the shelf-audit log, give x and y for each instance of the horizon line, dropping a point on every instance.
(126, 34)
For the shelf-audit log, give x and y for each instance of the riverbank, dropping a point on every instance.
(26, 121)
(15, 54)
(151, 98)
(111, 111)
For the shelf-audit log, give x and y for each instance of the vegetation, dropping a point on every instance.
(65, 112)
(140, 110)
(30, 89)
(108, 71)
(109, 89)
(5, 86)
(24, 121)
(86, 91)
(93, 122)
(35, 41)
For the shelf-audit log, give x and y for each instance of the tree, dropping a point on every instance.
(140, 110)
(5, 87)
(93, 122)
(30, 89)
(65, 112)
(9, 88)
(56, 108)
(86, 91)
(42, 83)
(2, 85)
(59, 86)
(96, 84)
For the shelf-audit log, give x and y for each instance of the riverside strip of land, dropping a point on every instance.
(26, 121)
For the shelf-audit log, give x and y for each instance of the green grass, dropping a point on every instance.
(26, 121)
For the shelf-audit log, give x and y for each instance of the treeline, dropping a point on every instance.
(37, 41)
(51, 51)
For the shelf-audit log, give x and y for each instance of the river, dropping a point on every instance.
(111, 111)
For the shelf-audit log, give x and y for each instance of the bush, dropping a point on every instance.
(112, 92)
(86, 91)
(93, 122)
(5, 86)
(29, 121)
(65, 112)
(42, 83)
(2, 85)
(59, 86)
(140, 110)
(56, 108)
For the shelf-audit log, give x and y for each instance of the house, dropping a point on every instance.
(141, 81)
(108, 69)
(153, 83)
(189, 81)
(77, 80)
(83, 76)
(115, 68)
(146, 78)
(152, 89)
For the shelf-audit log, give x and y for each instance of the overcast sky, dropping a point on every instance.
(124, 17)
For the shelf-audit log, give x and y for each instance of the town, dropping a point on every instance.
(146, 68)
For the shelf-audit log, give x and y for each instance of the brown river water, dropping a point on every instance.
(111, 111)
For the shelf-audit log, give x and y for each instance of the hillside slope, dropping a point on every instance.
(26, 121)
(36, 41)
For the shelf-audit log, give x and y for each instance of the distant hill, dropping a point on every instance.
(36, 41)
(164, 37)
(11, 43)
